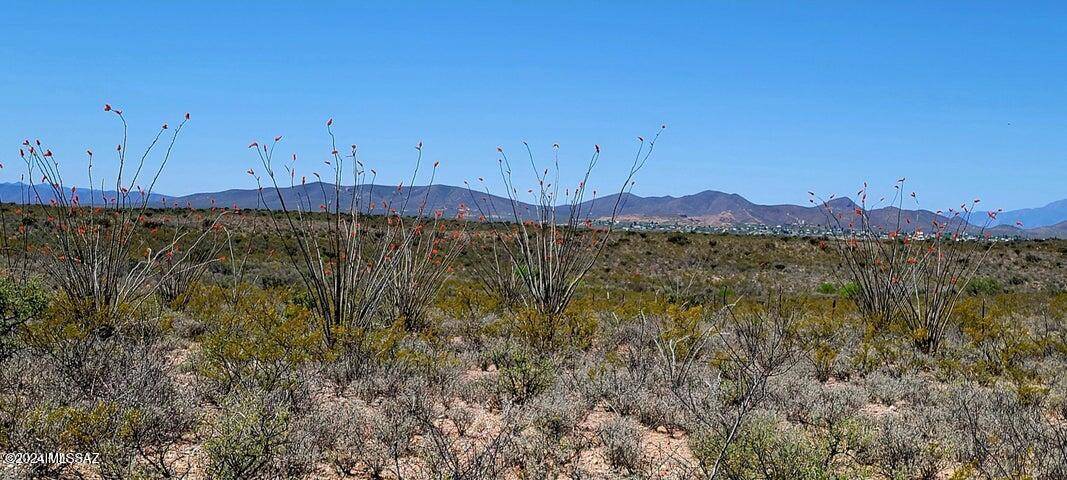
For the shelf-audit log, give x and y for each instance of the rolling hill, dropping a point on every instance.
(707, 208)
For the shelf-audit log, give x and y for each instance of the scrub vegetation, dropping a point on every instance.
(341, 338)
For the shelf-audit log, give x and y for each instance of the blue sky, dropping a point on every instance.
(768, 100)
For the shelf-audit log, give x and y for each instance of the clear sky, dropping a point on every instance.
(768, 100)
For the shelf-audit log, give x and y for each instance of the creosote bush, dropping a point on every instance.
(253, 437)
(20, 302)
(257, 342)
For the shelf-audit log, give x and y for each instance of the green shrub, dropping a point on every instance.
(846, 290)
(523, 374)
(849, 290)
(827, 288)
(824, 339)
(20, 301)
(252, 437)
(982, 286)
(762, 449)
(259, 342)
(574, 329)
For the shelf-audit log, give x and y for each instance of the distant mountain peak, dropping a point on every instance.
(708, 207)
(1049, 215)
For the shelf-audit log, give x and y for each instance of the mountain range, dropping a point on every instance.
(707, 208)
(1049, 215)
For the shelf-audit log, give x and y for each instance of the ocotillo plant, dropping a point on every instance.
(870, 263)
(185, 263)
(344, 262)
(938, 270)
(903, 271)
(496, 273)
(551, 244)
(98, 260)
(424, 250)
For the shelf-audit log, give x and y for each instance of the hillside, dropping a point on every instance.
(707, 208)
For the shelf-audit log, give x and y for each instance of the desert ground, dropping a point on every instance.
(679, 356)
